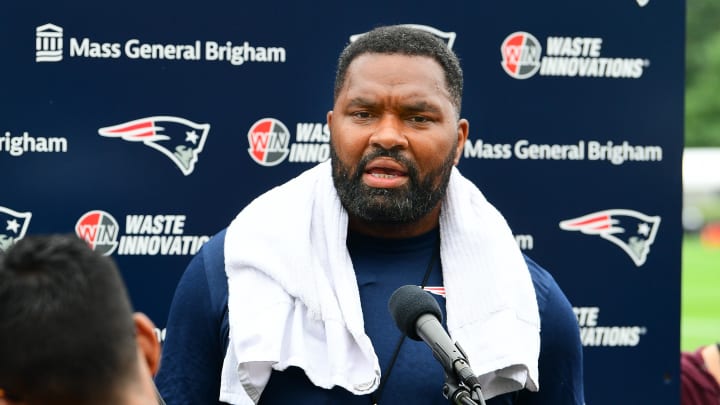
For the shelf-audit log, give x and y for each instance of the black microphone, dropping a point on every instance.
(418, 316)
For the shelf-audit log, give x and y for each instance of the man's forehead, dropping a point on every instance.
(413, 102)
(372, 59)
(390, 69)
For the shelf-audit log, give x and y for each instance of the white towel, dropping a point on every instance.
(294, 301)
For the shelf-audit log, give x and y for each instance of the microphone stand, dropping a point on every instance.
(461, 386)
(459, 394)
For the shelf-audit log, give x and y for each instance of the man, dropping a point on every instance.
(289, 303)
(700, 376)
(67, 333)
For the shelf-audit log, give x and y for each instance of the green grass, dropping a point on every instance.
(700, 315)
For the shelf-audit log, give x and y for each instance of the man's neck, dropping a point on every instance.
(396, 230)
(141, 390)
(711, 356)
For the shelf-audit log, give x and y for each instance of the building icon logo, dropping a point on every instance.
(48, 43)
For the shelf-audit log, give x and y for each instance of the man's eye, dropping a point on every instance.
(361, 114)
(419, 119)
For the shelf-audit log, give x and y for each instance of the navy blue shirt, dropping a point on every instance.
(197, 333)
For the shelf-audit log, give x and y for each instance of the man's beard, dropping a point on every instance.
(400, 205)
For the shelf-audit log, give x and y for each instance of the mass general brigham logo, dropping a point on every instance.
(48, 43)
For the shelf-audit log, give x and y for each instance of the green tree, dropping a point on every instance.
(702, 81)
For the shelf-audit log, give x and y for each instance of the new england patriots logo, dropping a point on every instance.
(435, 290)
(632, 231)
(177, 138)
(13, 226)
(447, 36)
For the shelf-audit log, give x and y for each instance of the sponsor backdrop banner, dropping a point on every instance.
(146, 127)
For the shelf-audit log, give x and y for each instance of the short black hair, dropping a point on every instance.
(400, 39)
(67, 333)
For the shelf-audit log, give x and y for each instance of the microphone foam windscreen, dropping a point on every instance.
(406, 305)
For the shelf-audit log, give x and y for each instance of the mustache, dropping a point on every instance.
(388, 153)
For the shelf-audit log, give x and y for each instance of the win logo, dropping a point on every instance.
(48, 43)
(269, 139)
(100, 230)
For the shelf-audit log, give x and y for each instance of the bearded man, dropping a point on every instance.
(289, 303)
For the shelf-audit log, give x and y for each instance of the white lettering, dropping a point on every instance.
(483, 150)
(619, 154)
(239, 54)
(88, 49)
(579, 46)
(309, 152)
(18, 145)
(161, 244)
(525, 150)
(155, 225)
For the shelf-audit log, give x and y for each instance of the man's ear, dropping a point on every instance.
(463, 129)
(147, 341)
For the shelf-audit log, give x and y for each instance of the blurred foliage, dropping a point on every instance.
(700, 282)
(702, 79)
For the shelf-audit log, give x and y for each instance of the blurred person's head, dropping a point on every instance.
(68, 334)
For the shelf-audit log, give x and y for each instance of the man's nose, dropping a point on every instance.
(389, 133)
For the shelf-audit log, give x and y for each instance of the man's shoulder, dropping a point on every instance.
(216, 244)
(209, 264)
(547, 290)
(211, 254)
(542, 279)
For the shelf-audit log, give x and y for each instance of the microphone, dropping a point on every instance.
(418, 316)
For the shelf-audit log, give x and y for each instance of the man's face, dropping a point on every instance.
(395, 137)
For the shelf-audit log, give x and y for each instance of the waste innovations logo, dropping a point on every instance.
(145, 235)
(446, 36)
(50, 47)
(522, 58)
(179, 139)
(632, 231)
(13, 226)
(270, 144)
(593, 334)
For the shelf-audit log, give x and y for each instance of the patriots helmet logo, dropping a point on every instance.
(13, 226)
(177, 138)
(632, 231)
(446, 36)
(435, 290)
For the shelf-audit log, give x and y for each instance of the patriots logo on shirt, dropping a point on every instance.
(633, 231)
(177, 138)
(435, 290)
(13, 226)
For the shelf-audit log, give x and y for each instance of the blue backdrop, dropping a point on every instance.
(146, 127)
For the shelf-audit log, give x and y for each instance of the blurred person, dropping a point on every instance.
(289, 303)
(67, 331)
(700, 376)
